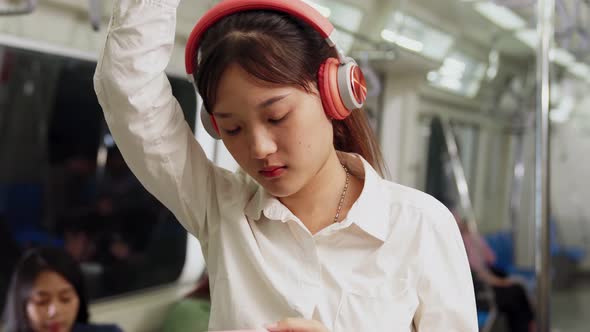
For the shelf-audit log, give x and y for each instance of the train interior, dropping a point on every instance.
(453, 89)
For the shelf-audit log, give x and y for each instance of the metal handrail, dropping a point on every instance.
(459, 176)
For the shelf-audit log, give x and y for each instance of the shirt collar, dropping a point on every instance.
(263, 203)
(370, 212)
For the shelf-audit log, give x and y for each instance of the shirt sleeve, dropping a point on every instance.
(146, 120)
(445, 287)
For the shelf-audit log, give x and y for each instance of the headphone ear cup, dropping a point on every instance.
(329, 93)
(209, 124)
(352, 85)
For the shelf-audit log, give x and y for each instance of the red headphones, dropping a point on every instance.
(341, 82)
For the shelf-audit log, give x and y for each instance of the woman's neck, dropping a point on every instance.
(316, 203)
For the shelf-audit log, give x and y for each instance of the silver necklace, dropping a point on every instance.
(343, 194)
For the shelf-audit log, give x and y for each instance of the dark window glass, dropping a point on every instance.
(440, 179)
(64, 183)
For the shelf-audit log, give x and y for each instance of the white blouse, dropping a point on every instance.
(396, 263)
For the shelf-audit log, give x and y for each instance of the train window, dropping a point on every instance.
(467, 137)
(63, 182)
(440, 179)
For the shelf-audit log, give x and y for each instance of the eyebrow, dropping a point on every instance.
(272, 100)
(66, 291)
(60, 292)
(267, 103)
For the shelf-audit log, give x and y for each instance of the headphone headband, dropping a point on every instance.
(340, 81)
(296, 8)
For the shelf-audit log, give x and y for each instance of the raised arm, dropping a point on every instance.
(145, 119)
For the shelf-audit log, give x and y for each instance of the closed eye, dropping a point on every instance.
(233, 132)
(66, 299)
(277, 120)
(41, 302)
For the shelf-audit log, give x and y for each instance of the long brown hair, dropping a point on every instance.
(278, 48)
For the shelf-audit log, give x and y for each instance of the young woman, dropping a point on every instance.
(47, 295)
(313, 233)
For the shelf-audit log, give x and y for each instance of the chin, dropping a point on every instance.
(280, 187)
(278, 190)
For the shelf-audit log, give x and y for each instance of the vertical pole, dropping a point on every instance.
(545, 16)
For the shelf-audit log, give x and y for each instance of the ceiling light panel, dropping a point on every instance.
(500, 15)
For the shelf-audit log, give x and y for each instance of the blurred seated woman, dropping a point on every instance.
(46, 294)
(510, 296)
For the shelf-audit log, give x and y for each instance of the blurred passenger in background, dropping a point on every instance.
(192, 312)
(47, 294)
(510, 297)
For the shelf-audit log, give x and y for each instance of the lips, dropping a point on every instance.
(272, 171)
(54, 327)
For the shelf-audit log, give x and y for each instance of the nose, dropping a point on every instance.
(53, 309)
(261, 143)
